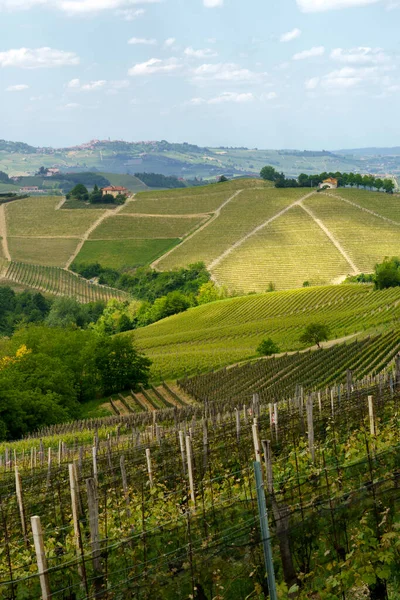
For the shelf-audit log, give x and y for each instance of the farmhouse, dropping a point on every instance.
(115, 190)
(30, 189)
(330, 183)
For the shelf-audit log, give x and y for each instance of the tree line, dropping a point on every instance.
(369, 182)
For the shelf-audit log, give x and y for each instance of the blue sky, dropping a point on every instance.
(314, 74)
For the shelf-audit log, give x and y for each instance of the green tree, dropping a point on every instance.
(358, 180)
(96, 196)
(79, 192)
(222, 179)
(378, 184)
(387, 273)
(119, 365)
(269, 173)
(267, 347)
(388, 186)
(65, 312)
(315, 333)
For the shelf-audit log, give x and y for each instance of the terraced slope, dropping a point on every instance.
(228, 331)
(279, 377)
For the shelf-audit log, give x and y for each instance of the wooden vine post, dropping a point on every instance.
(93, 505)
(310, 427)
(149, 467)
(74, 487)
(371, 415)
(20, 500)
(190, 468)
(41, 557)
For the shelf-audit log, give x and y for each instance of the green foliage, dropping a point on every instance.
(387, 273)
(79, 192)
(269, 173)
(59, 368)
(267, 347)
(96, 196)
(156, 180)
(119, 366)
(67, 312)
(315, 333)
(145, 283)
(19, 309)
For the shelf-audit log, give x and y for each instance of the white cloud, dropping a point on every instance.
(213, 3)
(322, 5)
(119, 84)
(224, 72)
(360, 56)
(239, 98)
(70, 106)
(169, 42)
(316, 51)
(312, 83)
(351, 77)
(129, 14)
(155, 65)
(76, 7)
(74, 84)
(202, 53)
(21, 87)
(234, 97)
(269, 96)
(290, 35)
(30, 58)
(143, 41)
(93, 86)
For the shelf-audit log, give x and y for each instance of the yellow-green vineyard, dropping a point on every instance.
(228, 331)
(249, 234)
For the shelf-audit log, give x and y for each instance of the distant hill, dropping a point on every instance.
(188, 161)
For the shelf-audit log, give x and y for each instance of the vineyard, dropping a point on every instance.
(59, 282)
(278, 377)
(248, 233)
(222, 333)
(199, 501)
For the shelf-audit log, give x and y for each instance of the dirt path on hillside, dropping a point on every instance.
(332, 238)
(107, 213)
(3, 232)
(367, 210)
(215, 215)
(60, 204)
(237, 244)
(199, 215)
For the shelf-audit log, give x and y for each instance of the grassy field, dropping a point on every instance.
(228, 331)
(134, 227)
(288, 252)
(249, 209)
(53, 252)
(124, 253)
(37, 216)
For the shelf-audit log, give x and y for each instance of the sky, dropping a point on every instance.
(305, 74)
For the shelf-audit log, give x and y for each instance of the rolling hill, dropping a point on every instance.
(228, 331)
(189, 160)
(251, 236)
